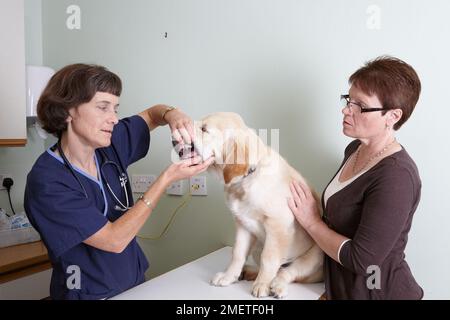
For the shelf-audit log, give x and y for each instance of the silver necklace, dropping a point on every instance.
(376, 155)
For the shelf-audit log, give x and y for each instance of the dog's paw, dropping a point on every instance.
(279, 288)
(261, 289)
(221, 279)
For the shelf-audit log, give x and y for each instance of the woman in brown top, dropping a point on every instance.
(369, 204)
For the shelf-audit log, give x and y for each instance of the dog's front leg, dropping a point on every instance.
(273, 251)
(242, 245)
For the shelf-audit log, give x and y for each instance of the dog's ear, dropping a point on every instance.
(236, 159)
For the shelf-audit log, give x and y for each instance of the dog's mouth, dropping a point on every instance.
(187, 151)
(184, 151)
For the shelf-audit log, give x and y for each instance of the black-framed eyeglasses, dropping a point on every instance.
(346, 102)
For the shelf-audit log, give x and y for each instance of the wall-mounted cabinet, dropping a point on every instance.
(13, 130)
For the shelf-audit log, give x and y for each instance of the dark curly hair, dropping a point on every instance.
(395, 83)
(70, 87)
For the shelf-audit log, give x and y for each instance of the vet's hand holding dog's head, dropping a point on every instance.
(190, 164)
(181, 126)
(186, 168)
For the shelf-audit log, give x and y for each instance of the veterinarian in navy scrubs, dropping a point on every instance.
(78, 195)
(369, 204)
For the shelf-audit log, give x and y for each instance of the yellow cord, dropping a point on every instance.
(166, 228)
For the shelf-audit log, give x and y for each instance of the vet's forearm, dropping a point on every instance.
(127, 227)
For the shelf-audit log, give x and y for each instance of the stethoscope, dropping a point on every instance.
(122, 176)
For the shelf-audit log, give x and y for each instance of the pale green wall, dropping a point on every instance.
(280, 64)
(33, 32)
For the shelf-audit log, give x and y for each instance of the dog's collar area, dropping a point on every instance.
(250, 171)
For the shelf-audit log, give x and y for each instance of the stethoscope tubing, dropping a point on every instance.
(123, 178)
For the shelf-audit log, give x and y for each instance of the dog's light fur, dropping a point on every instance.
(265, 226)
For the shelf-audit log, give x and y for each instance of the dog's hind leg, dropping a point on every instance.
(249, 273)
(304, 269)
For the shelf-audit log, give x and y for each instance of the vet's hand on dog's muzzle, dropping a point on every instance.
(181, 126)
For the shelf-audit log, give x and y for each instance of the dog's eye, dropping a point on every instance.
(204, 129)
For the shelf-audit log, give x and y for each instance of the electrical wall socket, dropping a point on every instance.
(178, 188)
(198, 186)
(3, 176)
(141, 182)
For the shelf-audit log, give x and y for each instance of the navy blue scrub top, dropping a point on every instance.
(57, 207)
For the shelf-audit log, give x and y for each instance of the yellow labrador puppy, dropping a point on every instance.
(256, 182)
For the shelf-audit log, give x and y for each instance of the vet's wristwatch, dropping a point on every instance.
(167, 109)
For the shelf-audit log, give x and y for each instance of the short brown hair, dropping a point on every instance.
(394, 82)
(70, 87)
